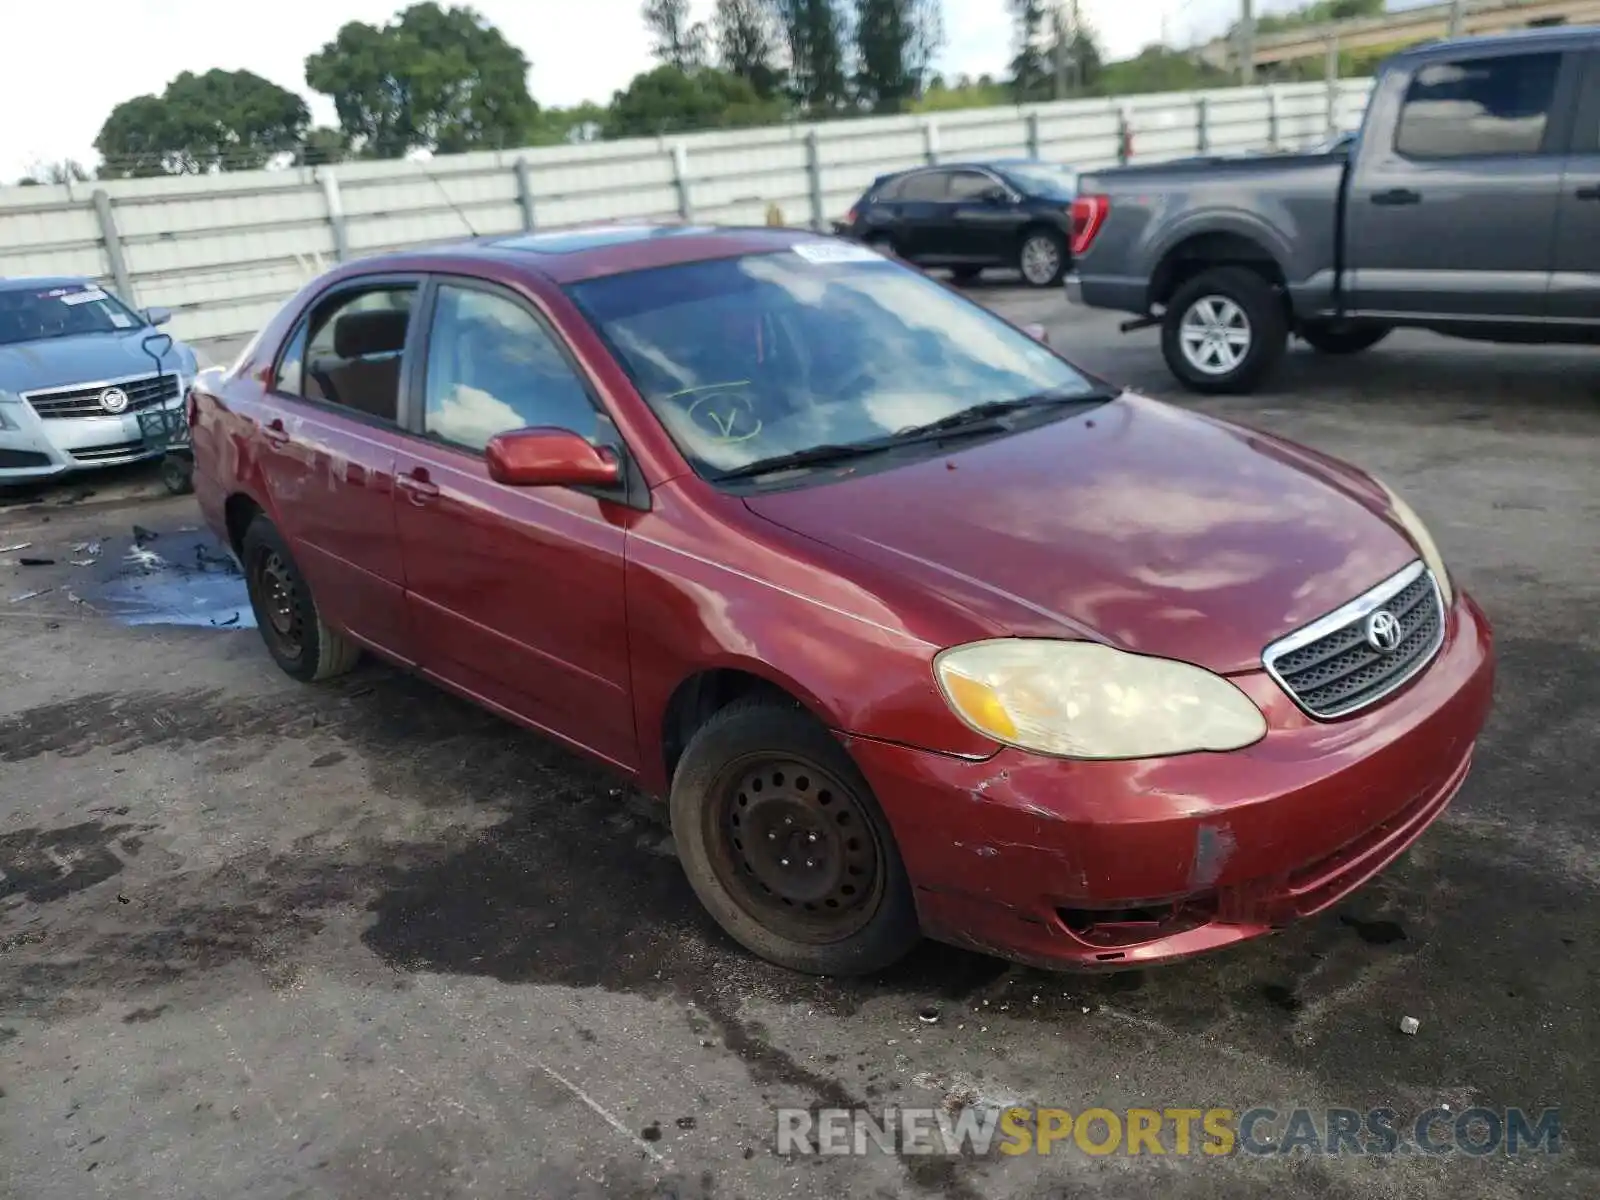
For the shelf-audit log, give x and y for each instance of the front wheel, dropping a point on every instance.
(1342, 337)
(1224, 331)
(1042, 258)
(785, 846)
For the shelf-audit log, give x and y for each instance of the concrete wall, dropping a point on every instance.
(223, 251)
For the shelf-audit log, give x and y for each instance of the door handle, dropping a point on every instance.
(1589, 193)
(417, 485)
(275, 432)
(1397, 196)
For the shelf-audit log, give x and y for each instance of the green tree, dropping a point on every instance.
(1030, 68)
(747, 44)
(440, 79)
(679, 42)
(68, 170)
(556, 126)
(216, 121)
(895, 41)
(323, 145)
(814, 31)
(670, 100)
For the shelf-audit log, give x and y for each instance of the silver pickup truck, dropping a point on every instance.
(1468, 203)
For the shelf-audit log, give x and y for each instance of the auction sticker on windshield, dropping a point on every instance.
(835, 252)
(86, 296)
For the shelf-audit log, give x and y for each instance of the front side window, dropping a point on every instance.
(749, 358)
(970, 185)
(1045, 181)
(1477, 107)
(36, 314)
(492, 368)
(349, 351)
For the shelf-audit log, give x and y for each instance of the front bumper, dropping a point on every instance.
(33, 448)
(1115, 864)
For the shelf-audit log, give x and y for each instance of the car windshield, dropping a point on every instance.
(821, 344)
(61, 310)
(1043, 180)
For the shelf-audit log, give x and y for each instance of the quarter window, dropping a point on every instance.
(493, 367)
(1482, 106)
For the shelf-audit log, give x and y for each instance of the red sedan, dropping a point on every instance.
(921, 629)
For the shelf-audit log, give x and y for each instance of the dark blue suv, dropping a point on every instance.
(967, 216)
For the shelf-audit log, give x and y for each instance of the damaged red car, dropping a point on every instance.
(920, 629)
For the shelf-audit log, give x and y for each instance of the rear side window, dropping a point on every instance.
(925, 185)
(890, 190)
(1478, 106)
(349, 351)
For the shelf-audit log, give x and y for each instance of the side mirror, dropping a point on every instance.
(1038, 333)
(550, 458)
(158, 316)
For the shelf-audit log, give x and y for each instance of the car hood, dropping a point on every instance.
(1134, 523)
(88, 358)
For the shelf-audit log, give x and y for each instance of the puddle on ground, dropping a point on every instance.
(177, 577)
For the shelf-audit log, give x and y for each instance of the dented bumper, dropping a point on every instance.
(1085, 864)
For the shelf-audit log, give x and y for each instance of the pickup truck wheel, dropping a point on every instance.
(296, 636)
(785, 846)
(1346, 337)
(1042, 258)
(1224, 331)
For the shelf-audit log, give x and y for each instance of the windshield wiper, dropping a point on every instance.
(811, 456)
(985, 413)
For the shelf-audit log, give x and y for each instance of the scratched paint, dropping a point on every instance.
(1213, 847)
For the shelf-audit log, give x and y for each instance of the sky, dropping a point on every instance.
(65, 64)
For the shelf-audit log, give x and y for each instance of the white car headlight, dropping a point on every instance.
(1422, 540)
(1085, 700)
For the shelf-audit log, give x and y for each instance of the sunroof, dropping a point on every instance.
(572, 240)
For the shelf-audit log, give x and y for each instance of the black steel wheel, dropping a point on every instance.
(296, 636)
(783, 842)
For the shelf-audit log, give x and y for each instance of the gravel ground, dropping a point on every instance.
(264, 940)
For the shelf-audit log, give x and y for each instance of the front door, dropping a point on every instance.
(516, 593)
(328, 434)
(1455, 218)
(985, 219)
(1575, 274)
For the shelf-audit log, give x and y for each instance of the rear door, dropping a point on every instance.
(924, 215)
(516, 593)
(1455, 218)
(1575, 276)
(329, 435)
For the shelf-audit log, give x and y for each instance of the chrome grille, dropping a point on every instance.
(146, 391)
(1330, 668)
(106, 453)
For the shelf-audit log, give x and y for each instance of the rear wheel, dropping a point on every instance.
(1042, 258)
(1224, 331)
(965, 274)
(883, 244)
(785, 846)
(1342, 337)
(298, 639)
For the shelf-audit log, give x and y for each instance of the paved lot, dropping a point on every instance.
(262, 940)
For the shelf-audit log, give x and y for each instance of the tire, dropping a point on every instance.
(297, 637)
(1224, 302)
(965, 275)
(883, 244)
(177, 475)
(1349, 337)
(760, 789)
(1042, 257)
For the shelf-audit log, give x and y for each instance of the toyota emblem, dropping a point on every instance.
(114, 400)
(1383, 631)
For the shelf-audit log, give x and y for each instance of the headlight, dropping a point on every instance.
(1422, 540)
(1085, 700)
(6, 402)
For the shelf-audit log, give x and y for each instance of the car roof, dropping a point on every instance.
(576, 253)
(26, 283)
(1552, 38)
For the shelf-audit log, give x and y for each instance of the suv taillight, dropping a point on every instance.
(1089, 215)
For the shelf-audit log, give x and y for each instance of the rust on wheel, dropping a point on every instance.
(276, 585)
(795, 848)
